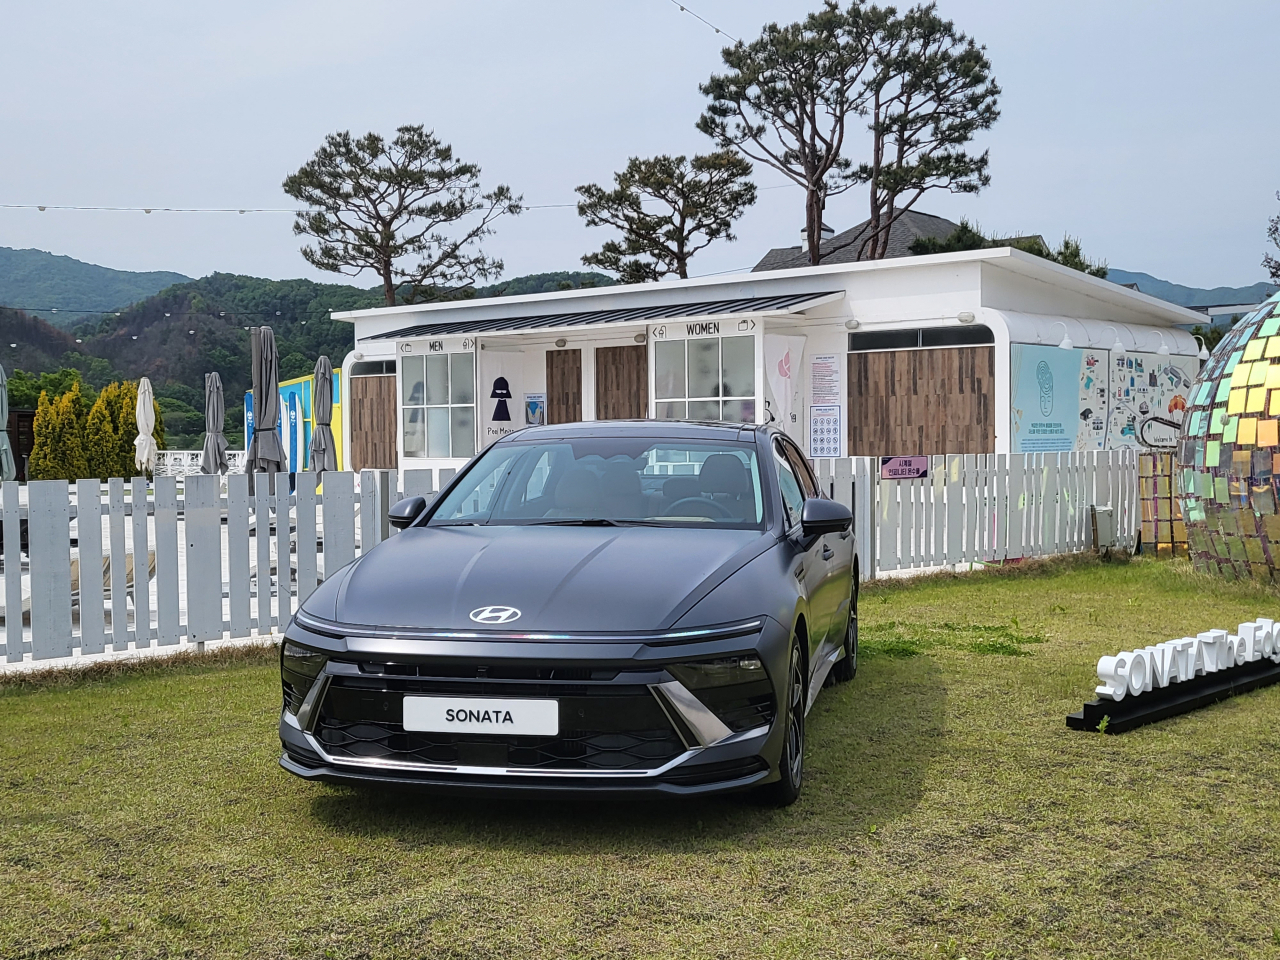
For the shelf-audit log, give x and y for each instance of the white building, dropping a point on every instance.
(988, 351)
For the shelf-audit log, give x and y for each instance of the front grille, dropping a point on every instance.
(576, 750)
(604, 726)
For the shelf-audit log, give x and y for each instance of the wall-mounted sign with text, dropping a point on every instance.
(904, 468)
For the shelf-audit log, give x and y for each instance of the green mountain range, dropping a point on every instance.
(177, 335)
(61, 288)
(1193, 296)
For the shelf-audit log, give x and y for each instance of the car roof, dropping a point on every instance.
(672, 429)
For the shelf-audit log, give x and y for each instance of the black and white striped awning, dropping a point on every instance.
(788, 303)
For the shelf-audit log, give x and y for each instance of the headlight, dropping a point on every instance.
(299, 667)
(718, 673)
(735, 689)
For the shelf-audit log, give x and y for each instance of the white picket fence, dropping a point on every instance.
(984, 508)
(122, 566)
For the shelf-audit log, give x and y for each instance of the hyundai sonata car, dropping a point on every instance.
(619, 608)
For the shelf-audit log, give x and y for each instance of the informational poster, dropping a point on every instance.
(824, 379)
(824, 430)
(1095, 399)
(1057, 399)
(535, 409)
(1149, 395)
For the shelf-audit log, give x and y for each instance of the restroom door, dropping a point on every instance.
(564, 386)
(371, 405)
(622, 383)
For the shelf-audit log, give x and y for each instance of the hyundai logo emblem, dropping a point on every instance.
(495, 614)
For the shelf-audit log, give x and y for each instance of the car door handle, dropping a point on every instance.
(827, 552)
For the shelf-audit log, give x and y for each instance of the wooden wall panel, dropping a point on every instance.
(371, 405)
(922, 402)
(564, 386)
(622, 383)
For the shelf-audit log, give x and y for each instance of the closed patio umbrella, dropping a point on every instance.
(8, 468)
(144, 447)
(266, 452)
(213, 458)
(324, 453)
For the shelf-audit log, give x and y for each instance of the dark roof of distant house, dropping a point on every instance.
(844, 247)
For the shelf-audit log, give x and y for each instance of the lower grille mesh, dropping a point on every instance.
(572, 750)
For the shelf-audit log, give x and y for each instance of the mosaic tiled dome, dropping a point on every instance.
(1229, 455)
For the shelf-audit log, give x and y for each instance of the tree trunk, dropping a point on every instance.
(388, 286)
(813, 224)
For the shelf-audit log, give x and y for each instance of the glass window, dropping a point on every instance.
(792, 495)
(708, 379)
(622, 480)
(669, 369)
(739, 366)
(801, 466)
(462, 381)
(437, 394)
(411, 380)
(415, 432)
(704, 368)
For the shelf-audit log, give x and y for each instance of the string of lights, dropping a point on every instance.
(684, 9)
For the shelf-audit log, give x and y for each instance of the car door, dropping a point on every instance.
(808, 567)
(837, 554)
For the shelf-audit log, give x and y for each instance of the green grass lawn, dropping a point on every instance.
(948, 813)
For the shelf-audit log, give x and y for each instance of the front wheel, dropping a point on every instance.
(786, 790)
(846, 668)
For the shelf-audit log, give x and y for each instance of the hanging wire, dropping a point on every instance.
(684, 9)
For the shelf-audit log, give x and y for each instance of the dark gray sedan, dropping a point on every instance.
(616, 607)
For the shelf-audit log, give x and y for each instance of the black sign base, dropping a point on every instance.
(1174, 699)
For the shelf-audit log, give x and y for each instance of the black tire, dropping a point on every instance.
(846, 668)
(786, 790)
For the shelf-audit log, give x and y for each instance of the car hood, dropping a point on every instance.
(571, 579)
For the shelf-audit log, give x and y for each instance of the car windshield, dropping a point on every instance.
(610, 481)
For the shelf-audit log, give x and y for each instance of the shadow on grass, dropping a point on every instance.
(871, 744)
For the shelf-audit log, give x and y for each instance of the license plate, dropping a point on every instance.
(525, 718)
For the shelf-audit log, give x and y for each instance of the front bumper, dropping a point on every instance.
(627, 727)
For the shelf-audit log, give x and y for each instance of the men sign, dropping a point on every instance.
(903, 468)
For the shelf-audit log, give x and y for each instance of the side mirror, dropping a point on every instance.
(820, 516)
(406, 511)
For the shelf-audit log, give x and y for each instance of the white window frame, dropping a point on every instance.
(687, 398)
(407, 359)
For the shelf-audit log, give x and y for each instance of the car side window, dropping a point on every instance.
(792, 495)
(801, 466)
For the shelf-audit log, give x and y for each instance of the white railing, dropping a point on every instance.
(186, 463)
(122, 566)
(984, 508)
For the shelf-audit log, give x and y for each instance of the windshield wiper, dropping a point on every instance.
(592, 522)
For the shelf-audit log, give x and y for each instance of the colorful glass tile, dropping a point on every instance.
(1256, 401)
(1247, 432)
(1253, 349)
(1268, 432)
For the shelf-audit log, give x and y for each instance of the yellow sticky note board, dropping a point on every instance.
(1257, 400)
(1273, 347)
(1247, 432)
(1235, 402)
(1240, 376)
(1253, 349)
(1273, 374)
(1274, 408)
(1268, 433)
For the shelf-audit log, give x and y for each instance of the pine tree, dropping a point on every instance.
(69, 433)
(42, 463)
(101, 441)
(126, 422)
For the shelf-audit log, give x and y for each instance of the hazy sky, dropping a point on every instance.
(1146, 128)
